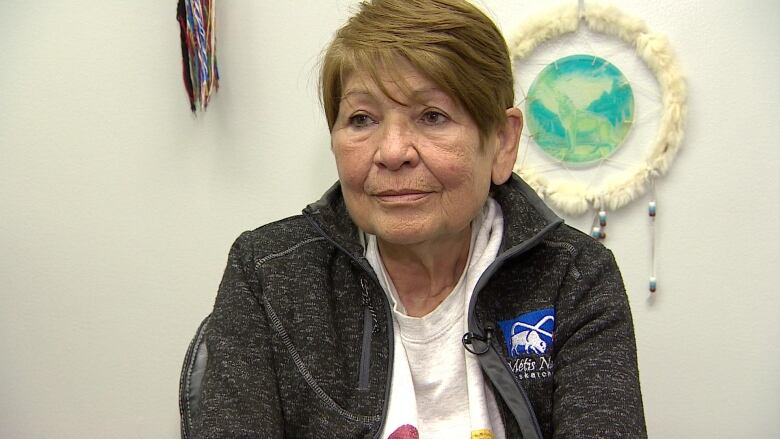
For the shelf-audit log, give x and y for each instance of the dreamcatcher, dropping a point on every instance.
(588, 126)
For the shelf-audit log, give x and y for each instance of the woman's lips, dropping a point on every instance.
(402, 196)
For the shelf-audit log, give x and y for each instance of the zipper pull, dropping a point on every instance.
(367, 304)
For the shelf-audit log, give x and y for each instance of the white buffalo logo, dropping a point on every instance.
(527, 339)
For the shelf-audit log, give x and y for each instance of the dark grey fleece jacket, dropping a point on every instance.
(300, 341)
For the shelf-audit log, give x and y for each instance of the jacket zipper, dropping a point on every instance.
(368, 331)
(389, 326)
(529, 425)
(520, 407)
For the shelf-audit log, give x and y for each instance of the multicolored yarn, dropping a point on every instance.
(200, 72)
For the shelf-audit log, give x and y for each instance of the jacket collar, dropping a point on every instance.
(526, 217)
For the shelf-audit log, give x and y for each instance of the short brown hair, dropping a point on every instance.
(450, 41)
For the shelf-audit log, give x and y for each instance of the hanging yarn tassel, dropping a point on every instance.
(197, 24)
(651, 212)
(181, 17)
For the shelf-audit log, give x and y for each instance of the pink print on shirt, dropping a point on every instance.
(405, 432)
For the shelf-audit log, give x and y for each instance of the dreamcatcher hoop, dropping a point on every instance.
(654, 50)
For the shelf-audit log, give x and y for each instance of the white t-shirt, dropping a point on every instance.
(432, 344)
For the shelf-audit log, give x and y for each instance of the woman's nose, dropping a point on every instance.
(397, 145)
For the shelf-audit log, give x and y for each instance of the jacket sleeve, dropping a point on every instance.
(239, 396)
(597, 393)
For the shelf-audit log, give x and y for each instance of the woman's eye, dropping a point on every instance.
(433, 118)
(360, 120)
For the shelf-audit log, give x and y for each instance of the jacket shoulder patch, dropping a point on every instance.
(530, 333)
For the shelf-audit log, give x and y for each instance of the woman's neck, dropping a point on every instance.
(425, 274)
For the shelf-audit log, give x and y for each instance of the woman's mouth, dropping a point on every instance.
(401, 196)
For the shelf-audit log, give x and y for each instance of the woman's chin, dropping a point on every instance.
(419, 234)
(403, 234)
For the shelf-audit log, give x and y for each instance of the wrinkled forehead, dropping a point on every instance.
(394, 79)
(406, 91)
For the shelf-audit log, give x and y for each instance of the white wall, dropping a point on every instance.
(117, 207)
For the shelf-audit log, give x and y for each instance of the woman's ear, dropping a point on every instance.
(508, 138)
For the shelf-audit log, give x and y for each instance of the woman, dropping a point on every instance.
(429, 292)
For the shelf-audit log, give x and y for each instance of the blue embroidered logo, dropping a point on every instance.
(529, 333)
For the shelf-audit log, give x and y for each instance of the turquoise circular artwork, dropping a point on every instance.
(579, 109)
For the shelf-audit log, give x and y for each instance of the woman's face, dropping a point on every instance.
(411, 173)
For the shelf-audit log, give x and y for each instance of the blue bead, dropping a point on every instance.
(596, 232)
(602, 218)
(653, 284)
(651, 208)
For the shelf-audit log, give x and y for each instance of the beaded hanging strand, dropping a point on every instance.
(651, 212)
(598, 230)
